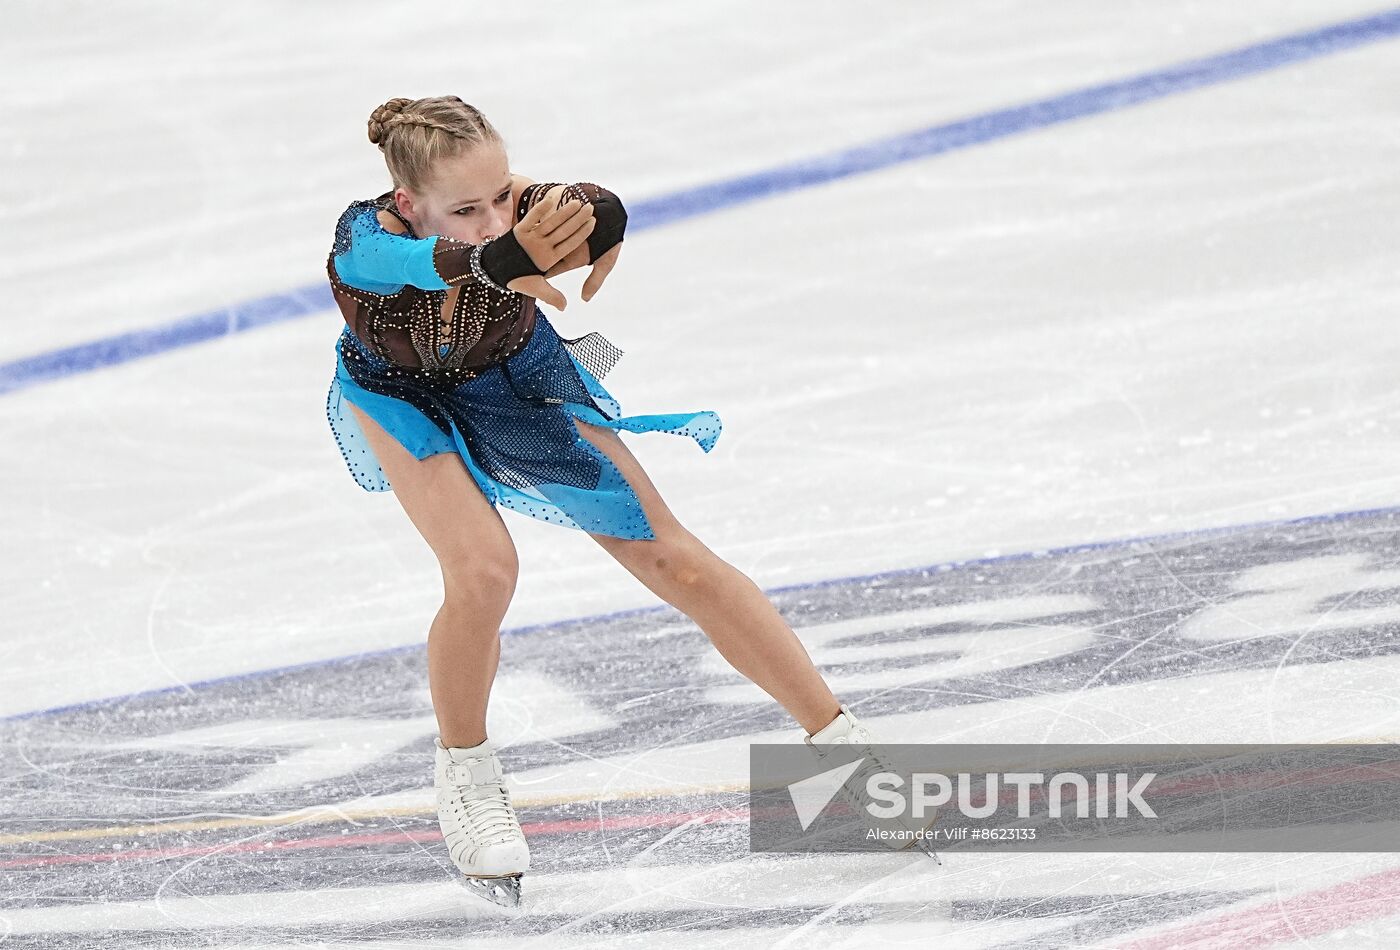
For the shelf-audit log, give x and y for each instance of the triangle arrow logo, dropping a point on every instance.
(811, 795)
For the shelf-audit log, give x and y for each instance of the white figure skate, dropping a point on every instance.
(478, 824)
(846, 729)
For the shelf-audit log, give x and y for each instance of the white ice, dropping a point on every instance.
(1177, 315)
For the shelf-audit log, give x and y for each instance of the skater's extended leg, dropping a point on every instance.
(724, 602)
(479, 570)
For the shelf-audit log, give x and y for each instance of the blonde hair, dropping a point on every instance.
(414, 134)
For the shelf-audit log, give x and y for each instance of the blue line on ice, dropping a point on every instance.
(1108, 545)
(677, 206)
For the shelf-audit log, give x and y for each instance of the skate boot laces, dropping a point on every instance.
(875, 762)
(473, 788)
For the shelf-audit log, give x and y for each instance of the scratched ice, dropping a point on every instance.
(1061, 431)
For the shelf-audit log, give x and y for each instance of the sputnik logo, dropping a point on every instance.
(811, 795)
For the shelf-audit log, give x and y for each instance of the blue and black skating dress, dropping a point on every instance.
(447, 361)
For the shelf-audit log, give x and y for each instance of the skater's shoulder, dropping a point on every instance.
(372, 214)
(388, 216)
(391, 223)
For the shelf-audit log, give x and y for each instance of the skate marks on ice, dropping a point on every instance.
(978, 901)
(297, 804)
(692, 887)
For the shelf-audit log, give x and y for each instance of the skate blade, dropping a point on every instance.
(501, 890)
(925, 845)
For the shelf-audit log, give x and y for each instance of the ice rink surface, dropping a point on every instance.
(1084, 432)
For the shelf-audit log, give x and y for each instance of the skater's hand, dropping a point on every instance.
(601, 268)
(548, 236)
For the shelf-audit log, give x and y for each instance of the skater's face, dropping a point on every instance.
(468, 198)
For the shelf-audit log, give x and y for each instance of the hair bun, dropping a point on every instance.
(379, 118)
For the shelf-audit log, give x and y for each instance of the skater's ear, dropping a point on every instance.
(407, 203)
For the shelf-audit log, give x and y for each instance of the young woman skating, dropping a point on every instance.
(454, 390)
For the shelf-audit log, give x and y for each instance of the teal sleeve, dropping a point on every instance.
(383, 263)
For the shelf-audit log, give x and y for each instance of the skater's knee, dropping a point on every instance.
(484, 581)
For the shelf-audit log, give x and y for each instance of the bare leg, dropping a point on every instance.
(724, 602)
(479, 570)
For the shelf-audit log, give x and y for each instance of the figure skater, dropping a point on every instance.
(453, 390)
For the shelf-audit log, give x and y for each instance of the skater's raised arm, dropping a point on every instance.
(380, 256)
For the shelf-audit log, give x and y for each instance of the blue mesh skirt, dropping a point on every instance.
(512, 427)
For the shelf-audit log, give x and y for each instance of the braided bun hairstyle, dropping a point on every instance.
(414, 134)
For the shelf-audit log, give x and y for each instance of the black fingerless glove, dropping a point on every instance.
(609, 216)
(611, 221)
(503, 260)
